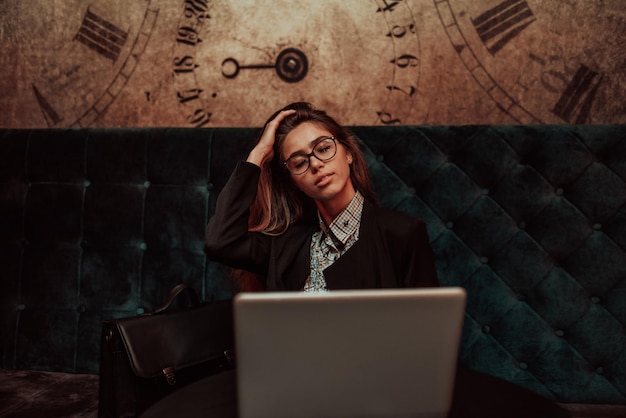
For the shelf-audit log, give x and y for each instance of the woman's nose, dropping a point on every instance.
(315, 163)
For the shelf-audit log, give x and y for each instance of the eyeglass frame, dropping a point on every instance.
(312, 154)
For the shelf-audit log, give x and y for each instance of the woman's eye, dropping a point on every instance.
(299, 163)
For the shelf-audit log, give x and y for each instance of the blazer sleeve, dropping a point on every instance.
(405, 238)
(419, 259)
(227, 237)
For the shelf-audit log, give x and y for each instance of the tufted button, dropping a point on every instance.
(146, 184)
(210, 186)
(484, 192)
(522, 225)
(520, 296)
(87, 183)
(380, 158)
(484, 260)
(411, 190)
(21, 307)
(523, 366)
(143, 246)
(449, 224)
(140, 310)
(81, 309)
(595, 299)
(597, 227)
(599, 370)
(559, 333)
(486, 329)
(559, 192)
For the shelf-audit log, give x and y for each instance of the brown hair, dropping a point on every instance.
(279, 203)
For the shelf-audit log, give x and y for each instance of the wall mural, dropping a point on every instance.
(210, 63)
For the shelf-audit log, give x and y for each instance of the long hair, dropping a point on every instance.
(279, 203)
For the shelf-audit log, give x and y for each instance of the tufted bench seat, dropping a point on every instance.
(531, 220)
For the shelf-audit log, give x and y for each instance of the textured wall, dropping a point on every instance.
(105, 63)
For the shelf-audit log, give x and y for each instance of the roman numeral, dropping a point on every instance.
(49, 114)
(499, 25)
(101, 36)
(578, 96)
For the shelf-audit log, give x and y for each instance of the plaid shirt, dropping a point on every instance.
(332, 241)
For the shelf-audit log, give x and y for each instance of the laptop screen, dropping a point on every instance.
(370, 353)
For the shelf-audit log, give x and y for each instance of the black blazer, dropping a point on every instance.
(392, 251)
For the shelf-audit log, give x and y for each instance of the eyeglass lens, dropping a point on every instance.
(323, 151)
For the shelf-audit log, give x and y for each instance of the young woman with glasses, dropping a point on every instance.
(300, 214)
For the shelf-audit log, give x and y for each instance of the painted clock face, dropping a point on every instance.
(216, 63)
(543, 61)
(235, 63)
(80, 55)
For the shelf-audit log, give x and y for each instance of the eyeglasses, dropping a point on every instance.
(324, 150)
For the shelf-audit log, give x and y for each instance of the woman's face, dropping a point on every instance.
(327, 182)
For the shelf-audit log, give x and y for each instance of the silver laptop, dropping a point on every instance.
(351, 353)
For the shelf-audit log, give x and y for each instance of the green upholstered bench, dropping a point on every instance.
(531, 220)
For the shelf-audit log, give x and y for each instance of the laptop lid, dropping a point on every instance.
(363, 353)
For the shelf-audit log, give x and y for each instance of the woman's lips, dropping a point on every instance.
(323, 180)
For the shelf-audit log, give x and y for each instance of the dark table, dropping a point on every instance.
(475, 395)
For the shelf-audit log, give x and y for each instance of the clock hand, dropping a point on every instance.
(231, 67)
(291, 66)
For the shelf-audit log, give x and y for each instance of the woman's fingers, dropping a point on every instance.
(270, 129)
(264, 149)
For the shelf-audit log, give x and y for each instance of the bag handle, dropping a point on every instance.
(184, 295)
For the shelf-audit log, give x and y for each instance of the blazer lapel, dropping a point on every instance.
(291, 258)
(358, 267)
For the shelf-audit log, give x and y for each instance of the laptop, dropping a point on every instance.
(348, 353)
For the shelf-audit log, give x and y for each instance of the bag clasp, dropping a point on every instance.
(170, 375)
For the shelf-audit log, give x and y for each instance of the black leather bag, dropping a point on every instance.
(147, 357)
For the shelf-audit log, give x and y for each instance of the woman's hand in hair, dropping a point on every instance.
(264, 149)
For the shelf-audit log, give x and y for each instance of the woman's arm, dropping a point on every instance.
(227, 237)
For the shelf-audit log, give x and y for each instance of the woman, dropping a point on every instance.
(300, 213)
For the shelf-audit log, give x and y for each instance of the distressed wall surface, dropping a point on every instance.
(105, 63)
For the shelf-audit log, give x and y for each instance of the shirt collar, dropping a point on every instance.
(347, 222)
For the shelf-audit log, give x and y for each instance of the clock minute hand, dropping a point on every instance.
(231, 67)
(291, 66)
